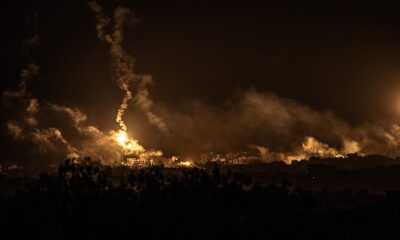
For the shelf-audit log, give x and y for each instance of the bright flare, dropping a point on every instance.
(129, 145)
(121, 138)
(187, 164)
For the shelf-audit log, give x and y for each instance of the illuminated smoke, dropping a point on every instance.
(30, 123)
(45, 140)
(25, 127)
(15, 130)
(351, 147)
(124, 66)
(145, 104)
(311, 147)
(91, 141)
(283, 130)
(26, 76)
(28, 73)
(32, 110)
(122, 62)
(316, 148)
(280, 129)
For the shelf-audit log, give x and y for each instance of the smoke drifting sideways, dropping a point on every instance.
(275, 128)
(279, 129)
(43, 125)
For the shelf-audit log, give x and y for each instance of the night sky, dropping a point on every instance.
(325, 70)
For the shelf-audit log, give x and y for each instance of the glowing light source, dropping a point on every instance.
(128, 144)
(186, 164)
(122, 138)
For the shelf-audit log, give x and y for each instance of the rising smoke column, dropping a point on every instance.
(124, 64)
(28, 125)
(32, 125)
(280, 129)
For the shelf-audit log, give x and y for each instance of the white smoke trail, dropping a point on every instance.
(145, 104)
(124, 64)
(84, 139)
(281, 129)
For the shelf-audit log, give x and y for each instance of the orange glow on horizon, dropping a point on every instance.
(128, 144)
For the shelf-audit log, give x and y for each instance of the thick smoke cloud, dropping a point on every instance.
(275, 127)
(56, 130)
(29, 119)
(24, 124)
(280, 129)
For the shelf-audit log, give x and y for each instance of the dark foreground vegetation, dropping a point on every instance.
(80, 201)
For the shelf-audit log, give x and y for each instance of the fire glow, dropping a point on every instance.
(128, 144)
(117, 145)
(125, 78)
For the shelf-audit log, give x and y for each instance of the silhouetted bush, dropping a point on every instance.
(79, 200)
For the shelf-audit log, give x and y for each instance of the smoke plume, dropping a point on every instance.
(25, 125)
(278, 128)
(124, 66)
(54, 129)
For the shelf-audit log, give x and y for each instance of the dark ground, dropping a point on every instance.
(87, 200)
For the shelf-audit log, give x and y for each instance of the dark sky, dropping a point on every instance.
(338, 56)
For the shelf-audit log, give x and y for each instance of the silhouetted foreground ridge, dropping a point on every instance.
(79, 200)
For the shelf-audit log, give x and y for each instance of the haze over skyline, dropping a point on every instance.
(226, 76)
